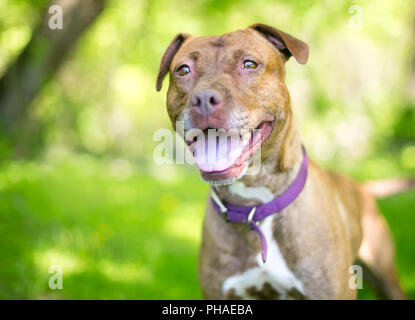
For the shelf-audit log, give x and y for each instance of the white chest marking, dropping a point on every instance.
(260, 193)
(274, 271)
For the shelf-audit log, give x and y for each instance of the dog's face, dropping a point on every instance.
(234, 82)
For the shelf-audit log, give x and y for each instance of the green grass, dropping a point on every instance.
(115, 238)
(121, 232)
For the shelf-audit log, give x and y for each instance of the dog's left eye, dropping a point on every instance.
(183, 70)
(249, 64)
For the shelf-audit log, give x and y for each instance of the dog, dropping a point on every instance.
(292, 230)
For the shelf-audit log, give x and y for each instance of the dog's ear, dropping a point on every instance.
(168, 56)
(285, 43)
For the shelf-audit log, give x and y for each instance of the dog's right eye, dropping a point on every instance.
(249, 64)
(183, 70)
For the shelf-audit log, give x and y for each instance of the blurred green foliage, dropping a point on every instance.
(116, 232)
(92, 199)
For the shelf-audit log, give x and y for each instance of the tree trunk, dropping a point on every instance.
(42, 57)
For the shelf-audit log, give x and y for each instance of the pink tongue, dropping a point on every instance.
(217, 151)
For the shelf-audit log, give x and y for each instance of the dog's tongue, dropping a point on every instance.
(217, 151)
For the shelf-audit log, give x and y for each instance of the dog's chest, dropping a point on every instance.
(270, 280)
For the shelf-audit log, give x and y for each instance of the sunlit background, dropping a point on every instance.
(78, 184)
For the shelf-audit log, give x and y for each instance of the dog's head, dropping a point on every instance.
(234, 82)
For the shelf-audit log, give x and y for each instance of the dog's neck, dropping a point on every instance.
(278, 170)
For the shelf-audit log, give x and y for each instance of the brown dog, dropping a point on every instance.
(237, 81)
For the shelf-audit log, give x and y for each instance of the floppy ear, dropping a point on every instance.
(285, 43)
(168, 56)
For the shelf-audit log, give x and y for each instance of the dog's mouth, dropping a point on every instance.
(223, 157)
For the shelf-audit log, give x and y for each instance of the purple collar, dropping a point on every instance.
(251, 215)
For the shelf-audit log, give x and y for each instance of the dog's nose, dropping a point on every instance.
(205, 102)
